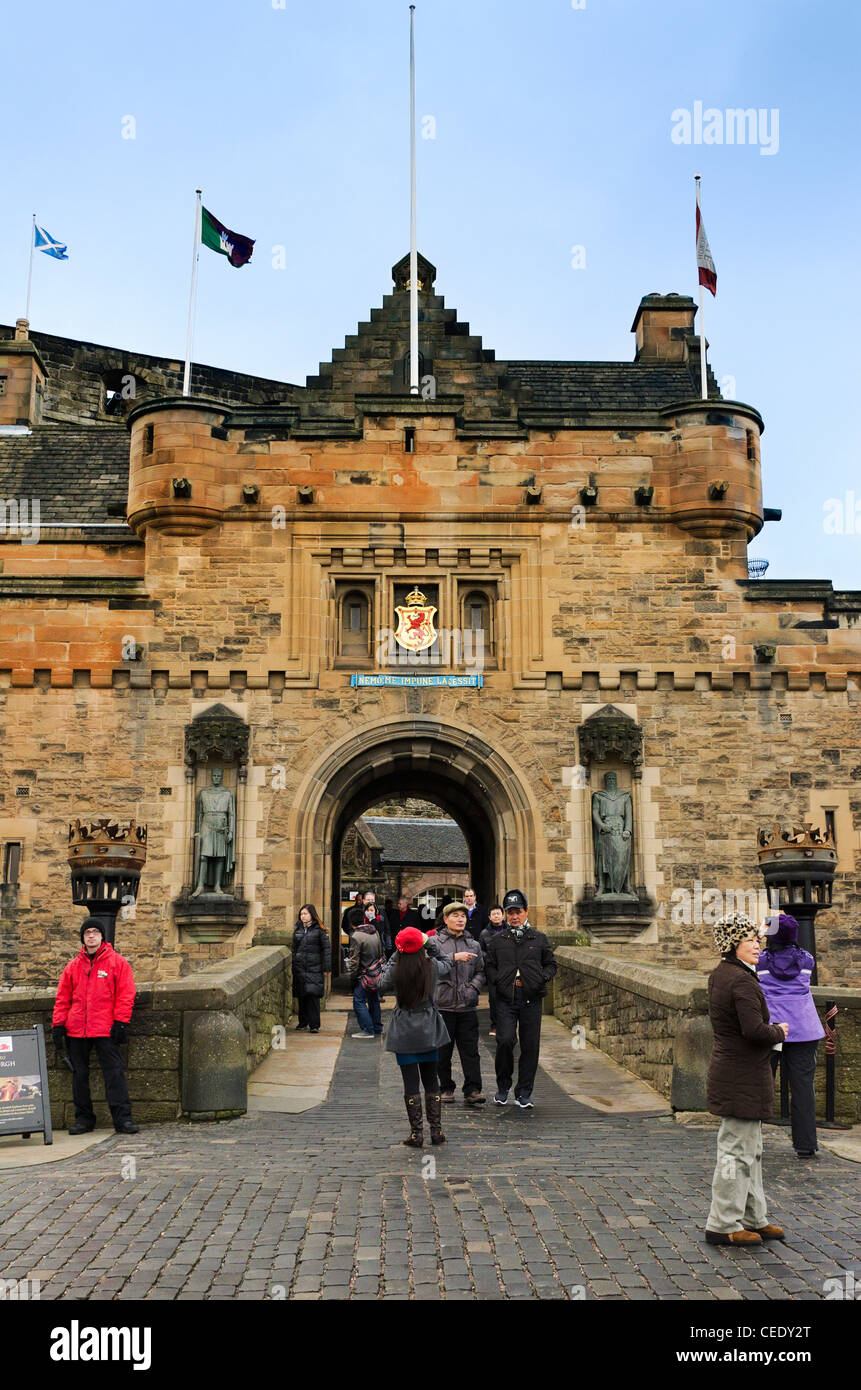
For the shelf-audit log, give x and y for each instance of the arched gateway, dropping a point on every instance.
(418, 756)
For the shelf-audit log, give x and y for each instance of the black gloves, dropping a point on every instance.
(119, 1031)
(58, 1033)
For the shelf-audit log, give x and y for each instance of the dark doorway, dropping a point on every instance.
(455, 798)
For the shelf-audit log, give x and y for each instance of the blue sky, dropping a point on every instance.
(553, 130)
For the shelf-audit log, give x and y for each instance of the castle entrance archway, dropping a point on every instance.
(422, 757)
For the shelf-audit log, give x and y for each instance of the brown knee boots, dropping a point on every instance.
(433, 1106)
(414, 1110)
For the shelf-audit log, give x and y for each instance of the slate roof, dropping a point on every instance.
(617, 386)
(77, 473)
(419, 840)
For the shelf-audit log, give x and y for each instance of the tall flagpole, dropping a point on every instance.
(198, 216)
(703, 379)
(30, 267)
(414, 264)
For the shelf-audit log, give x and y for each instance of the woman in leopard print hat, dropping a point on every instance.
(740, 1086)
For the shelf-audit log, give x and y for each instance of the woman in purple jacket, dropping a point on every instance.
(784, 971)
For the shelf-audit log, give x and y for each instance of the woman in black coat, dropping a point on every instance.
(312, 966)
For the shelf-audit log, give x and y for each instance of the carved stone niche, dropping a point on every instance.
(212, 905)
(615, 906)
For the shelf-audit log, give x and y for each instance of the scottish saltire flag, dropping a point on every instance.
(45, 242)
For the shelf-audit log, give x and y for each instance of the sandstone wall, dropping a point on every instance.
(627, 608)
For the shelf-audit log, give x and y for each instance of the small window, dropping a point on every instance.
(149, 438)
(354, 625)
(409, 440)
(11, 862)
(478, 621)
(3, 380)
(830, 827)
(751, 446)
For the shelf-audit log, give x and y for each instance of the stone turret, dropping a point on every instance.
(179, 471)
(715, 480)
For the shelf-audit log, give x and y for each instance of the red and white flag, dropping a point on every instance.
(705, 264)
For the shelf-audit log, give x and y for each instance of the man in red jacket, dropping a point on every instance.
(94, 1003)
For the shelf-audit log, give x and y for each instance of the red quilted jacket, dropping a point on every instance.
(93, 992)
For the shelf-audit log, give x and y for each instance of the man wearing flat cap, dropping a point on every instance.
(520, 964)
(457, 1000)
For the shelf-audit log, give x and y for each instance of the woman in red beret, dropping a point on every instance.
(416, 1031)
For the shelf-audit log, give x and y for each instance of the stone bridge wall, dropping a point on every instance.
(654, 1021)
(255, 987)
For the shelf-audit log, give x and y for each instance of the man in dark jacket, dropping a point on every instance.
(403, 916)
(740, 1086)
(495, 925)
(457, 1000)
(520, 963)
(93, 1008)
(476, 915)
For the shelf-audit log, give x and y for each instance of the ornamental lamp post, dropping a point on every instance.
(106, 860)
(799, 867)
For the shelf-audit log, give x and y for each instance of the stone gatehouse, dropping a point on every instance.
(213, 582)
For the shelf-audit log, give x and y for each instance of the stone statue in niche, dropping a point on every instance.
(215, 831)
(612, 823)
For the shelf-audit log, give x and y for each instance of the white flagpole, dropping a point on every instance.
(414, 265)
(30, 268)
(703, 379)
(198, 217)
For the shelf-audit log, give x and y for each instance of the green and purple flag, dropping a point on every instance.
(217, 237)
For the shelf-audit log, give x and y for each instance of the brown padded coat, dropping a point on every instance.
(740, 1082)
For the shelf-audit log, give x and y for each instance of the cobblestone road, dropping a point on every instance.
(554, 1203)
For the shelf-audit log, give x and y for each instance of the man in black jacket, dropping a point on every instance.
(403, 916)
(519, 964)
(476, 914)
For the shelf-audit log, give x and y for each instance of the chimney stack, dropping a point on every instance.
(664, 325)
(22, 378)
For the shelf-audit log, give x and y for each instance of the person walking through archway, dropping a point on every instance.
(417, 1032)
(457, 1000)
(312, 966)
(520, 964)
(495, 925)
(366, 964)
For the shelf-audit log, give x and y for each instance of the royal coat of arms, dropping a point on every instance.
(415, 629)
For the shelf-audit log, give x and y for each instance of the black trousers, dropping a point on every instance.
(491, 999)
(462, 1030)
(111, 1063)
(523, 1018)
(309, 1010)
(799, 1058)
(418, 1074)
